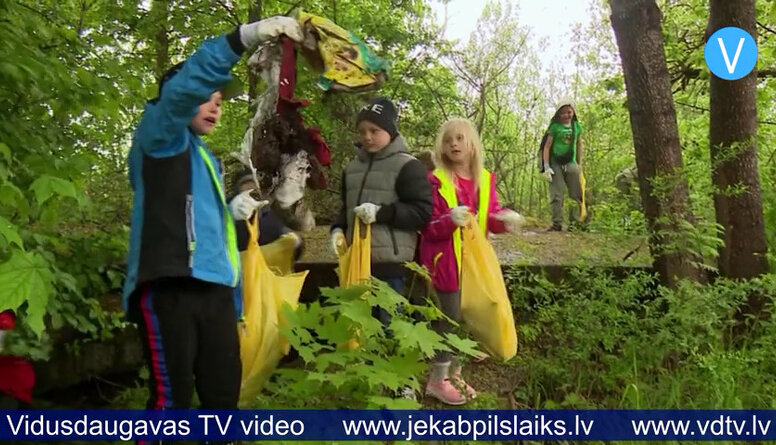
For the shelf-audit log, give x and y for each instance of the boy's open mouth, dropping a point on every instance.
(211, 120)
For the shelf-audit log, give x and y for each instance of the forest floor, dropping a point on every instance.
(532, 247)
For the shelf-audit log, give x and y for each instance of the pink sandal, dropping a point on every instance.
(445, 392)
(459, 382)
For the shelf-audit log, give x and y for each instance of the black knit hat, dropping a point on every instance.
(381, 112)
(228, 91)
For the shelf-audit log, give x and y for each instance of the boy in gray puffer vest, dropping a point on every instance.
(387, 187)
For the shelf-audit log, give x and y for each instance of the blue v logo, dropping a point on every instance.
(731, 53)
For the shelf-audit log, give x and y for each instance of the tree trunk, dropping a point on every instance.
(254, 15)
(161, 11)
(637, 28)
(483, 103)
(733, 144)
(531, 196)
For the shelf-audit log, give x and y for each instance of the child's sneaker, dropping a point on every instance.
(445, 392)
(459, 382)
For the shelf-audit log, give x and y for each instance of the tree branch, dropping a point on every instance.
(504, 68)
(770, 159)
(50, 20)
(463, 72)
(509, 62)
(437, 99)
(706, 110)
(293, 6)
(694, 73)
(766, 28)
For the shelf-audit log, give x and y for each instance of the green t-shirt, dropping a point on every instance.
(561, 140)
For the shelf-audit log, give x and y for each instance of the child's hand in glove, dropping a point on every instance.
(367, 212)
(252, 34)
(511, 219)
(460, 215)
(243, 206)
(338, 242)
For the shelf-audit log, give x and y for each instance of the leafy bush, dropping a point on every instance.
(334, 375)
(595, 341)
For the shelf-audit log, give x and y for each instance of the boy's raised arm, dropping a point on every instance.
(162, 130)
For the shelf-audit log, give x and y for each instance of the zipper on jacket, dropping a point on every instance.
(363, 181)
(393, 240)
(437, 257)
(191, 238)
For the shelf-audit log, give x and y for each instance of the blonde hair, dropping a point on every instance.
(470, 138)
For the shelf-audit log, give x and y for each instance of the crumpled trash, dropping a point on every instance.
(345, 61)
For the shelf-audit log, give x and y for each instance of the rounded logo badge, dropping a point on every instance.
(731, 53)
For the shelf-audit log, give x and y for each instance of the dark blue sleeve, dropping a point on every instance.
(271, 227)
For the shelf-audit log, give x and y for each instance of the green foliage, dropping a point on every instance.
(59, 109)
(701, 241)
(332, 375)
(595, 341)
(26, 278)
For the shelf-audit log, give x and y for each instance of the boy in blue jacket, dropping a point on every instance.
(183, 264)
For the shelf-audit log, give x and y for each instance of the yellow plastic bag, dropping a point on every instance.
(279, 254)
(355, 264)
(582, 209)
(485, 306)
(264, 292)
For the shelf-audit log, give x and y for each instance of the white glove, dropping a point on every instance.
(243, 206)
(547, 173)
(296, 237)
(338, 242)
(251, 34)
(460, 215)
(367, 212)
(512, 220)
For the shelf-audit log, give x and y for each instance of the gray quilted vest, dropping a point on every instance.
(372, 178)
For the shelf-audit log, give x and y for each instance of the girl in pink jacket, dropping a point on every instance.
(460, 187)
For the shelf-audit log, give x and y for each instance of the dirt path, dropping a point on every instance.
(532, 247)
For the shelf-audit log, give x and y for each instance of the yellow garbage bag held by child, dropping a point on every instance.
(264, 292)
(279, 254)
(485, 305)
(355, 263)
(355, 266)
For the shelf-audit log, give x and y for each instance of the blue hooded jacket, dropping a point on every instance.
(181, 225)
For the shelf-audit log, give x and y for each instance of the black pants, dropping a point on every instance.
(397, 284)
(188, 329)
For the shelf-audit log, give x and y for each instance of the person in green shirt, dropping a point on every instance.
(562, 151)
